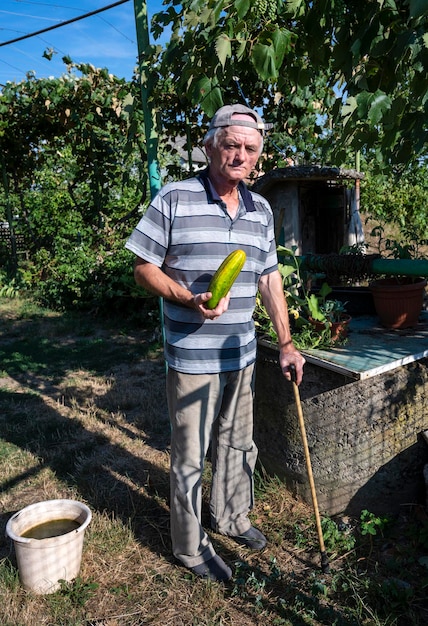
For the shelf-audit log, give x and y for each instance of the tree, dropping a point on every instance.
(93, 115)
(73, 171)
(401, 203)
(338, 76)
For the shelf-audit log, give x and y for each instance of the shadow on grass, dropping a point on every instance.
(39, 355)
(37, 420)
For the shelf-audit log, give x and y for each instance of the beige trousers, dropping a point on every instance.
(206, 409)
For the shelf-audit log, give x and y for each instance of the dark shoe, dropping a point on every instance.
(214, 569)
(252, 538)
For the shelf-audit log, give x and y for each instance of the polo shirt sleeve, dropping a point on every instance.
(271, 261)
(150, 238)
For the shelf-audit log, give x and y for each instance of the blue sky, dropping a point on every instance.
(106, 40)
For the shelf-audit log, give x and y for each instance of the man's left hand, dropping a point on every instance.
(289, 356)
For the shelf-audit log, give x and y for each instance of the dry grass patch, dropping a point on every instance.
(83, 416)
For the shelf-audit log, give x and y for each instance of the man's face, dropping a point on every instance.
(236, 154)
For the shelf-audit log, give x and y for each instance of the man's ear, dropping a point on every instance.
(208, 148)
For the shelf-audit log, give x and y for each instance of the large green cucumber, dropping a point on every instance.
(225, 276)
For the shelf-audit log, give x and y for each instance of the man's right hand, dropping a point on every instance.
(156, 281)
(211, 314)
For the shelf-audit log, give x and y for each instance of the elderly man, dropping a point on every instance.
(186, 232)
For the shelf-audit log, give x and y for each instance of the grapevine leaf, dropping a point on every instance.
(205, 16)
(207, 92)
(363, 104)
(223, 49)
(241, 49)
(191, 19)
(263, 58)
(349, 108)
(242, 7)
(296, 7)
(379, 104)
(281, 42)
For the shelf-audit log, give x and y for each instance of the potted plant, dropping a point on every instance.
(328, 313)
(316, 321)
(398, 299)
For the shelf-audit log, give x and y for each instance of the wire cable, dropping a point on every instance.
(45, 41)
(75, 19)
(63, 6)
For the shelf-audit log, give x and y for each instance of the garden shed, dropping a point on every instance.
(316, 208)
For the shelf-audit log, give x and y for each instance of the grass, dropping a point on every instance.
(83, 416)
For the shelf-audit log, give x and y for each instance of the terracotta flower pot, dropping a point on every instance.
(338, 330)
(398, 304)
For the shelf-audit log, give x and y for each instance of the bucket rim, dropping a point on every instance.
(27, 540)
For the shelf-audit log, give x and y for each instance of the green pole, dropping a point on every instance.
(401, 267)
(143, 41)
(349, 264)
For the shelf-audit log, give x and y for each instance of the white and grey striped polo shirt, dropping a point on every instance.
(187, 232)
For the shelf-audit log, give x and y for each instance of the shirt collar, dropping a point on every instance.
(213, 195)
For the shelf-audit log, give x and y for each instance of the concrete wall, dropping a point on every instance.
(364, 436)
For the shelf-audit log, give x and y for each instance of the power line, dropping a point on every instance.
(46, 4)
(117, 30)
(12, 66)
(75, 19)
(62, 6)
(48, 43)
(35, 17)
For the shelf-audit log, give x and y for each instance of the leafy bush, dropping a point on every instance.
(82, 276)
(402, 201)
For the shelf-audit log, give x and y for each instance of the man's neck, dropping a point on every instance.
(224, 188)
(228, 192)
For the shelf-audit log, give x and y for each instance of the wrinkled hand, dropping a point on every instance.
(211, 314)
(289, 356)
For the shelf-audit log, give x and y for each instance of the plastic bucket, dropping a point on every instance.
(42, 563)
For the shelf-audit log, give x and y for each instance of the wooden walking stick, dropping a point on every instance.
(324, 559)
